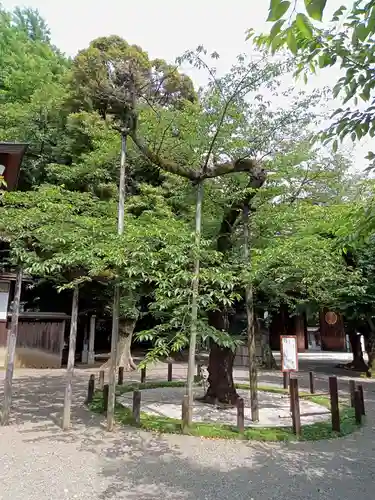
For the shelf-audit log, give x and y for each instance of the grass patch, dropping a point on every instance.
(161, 424)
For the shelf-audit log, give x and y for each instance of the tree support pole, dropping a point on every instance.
(194, 307)
(116, 298)
(11, 350)
(253, 371)
(71, 361)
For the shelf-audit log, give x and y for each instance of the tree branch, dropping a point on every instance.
(167, 165)
(241, 165)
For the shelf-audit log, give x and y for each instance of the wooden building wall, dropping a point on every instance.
(40, 342)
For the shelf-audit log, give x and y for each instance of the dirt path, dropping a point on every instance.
(40, 462)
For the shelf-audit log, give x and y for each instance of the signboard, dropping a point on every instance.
(331, 318)
(289, 353)
(4, 299)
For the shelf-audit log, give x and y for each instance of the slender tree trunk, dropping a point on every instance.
(71, 361)
(11, 350)
(253, 371)
(194, 306)
(116, 298)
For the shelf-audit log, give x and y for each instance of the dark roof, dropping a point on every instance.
(11, 155)
(42, 315)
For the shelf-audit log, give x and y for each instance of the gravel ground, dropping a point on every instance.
(40, 462)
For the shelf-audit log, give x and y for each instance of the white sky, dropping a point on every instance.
(166, 28)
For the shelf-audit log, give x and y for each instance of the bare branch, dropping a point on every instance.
(237, 91)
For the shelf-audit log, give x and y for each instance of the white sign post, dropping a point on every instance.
(289, 353)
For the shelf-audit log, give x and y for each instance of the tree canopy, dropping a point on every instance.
(305, 202)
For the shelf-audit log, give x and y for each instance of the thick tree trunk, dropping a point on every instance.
(221, 387)
(124, 357)
(358, 362)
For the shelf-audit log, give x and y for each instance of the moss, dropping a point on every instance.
(161, 424)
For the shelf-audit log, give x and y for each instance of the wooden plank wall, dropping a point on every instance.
(45, 335)
(40, 335)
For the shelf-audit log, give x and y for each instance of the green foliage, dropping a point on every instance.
(348, 42)
(62, 222)
(111, 76)
(27, 58)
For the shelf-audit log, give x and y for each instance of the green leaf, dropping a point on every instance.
(277, 10)
(335, 145)
(315, 8)
(276, 43)
(304, 26)
(324, 60)
(291, 41)
(362, 32)
(276, 28)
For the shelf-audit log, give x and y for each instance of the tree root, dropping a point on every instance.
(222, 404)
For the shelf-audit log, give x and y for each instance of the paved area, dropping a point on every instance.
(274, 409)
(40, 462)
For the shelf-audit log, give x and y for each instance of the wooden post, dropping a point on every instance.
(85, 347)
(286, 380)
(71, 360)
(91, 355)
(137, 407)
(194, 302)
(91, 389)
(352, 391)
(170, 368)
(335, 411)
(11, 349)
(240, 415)
(312, 382)
(143, 375)
(116, 296)
(101, 379)
(249, 305)
(357, 407)
(290, 394)
(360, 390)
(120, 375)
(294, 398)
(185, 413)
(105, 398)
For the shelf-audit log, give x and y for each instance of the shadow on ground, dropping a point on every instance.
(133, 464)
